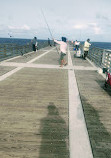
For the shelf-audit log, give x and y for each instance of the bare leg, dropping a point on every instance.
(62, 61)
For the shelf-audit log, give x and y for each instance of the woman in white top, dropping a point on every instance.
(63, 49)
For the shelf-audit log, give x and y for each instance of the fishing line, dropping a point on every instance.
(48, 27)
(47, 23)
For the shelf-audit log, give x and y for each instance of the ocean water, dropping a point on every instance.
(103, 45)
(17, 41)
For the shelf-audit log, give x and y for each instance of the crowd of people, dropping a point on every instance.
(63, 48)
(86, 47)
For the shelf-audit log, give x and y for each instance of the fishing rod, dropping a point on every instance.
(46, 23)
(48, 27)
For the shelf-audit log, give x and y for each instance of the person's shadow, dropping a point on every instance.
(54, 133)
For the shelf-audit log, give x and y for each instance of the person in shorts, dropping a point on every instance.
(63, 50)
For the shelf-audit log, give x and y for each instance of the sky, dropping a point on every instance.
(74, 19)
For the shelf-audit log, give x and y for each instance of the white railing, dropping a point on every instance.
(101, 57)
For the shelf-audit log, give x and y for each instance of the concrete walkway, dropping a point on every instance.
(40, 107)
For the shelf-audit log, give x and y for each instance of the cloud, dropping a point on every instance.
(3, 27)
(92, 24)
(101, 17)
(24, 27)
(97, 30)
(92, 27)
(80, 26)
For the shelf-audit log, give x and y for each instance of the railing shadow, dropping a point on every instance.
(54, 133)
(101, 83)
(100, 138)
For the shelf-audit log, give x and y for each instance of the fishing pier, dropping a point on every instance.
(51, 112)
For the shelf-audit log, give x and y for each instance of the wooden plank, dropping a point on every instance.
(96, 103)
(34, 114)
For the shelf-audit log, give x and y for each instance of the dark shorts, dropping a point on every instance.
(34, 48)
(62, 56)
(85, 54)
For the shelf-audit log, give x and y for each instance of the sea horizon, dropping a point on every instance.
(50, 39)
(23, 41)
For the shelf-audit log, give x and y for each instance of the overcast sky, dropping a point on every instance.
(79, 19)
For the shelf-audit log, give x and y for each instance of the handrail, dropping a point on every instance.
(8, 50)
(101, 57)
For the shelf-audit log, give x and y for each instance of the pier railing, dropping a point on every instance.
(101, 57)
(8, 50)
(96, 55)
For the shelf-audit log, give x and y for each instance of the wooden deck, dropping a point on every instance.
(96, 101)
(34, 113)
(34, 108)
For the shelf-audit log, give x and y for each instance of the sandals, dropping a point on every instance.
(65, 64)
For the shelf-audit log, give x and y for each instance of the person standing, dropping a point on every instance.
(34, 44)
(49, 43)
(63, 50)
(76, 45)
(86, 48)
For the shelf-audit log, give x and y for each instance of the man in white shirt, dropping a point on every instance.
(63, 49)
(86, 48)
